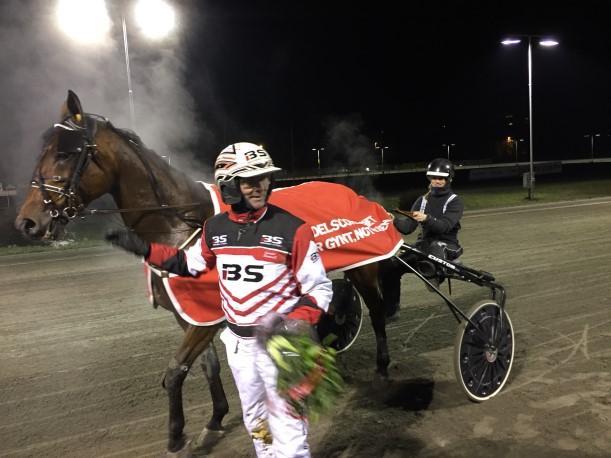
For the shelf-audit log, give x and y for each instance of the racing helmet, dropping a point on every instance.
(240, 160)
(440, 168)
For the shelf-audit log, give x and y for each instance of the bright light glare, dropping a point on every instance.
(548, 43)
(510, 41)
(85, 21)
(155, 18)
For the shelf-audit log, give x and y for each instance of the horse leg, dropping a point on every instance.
(195, 340)
(212, 370)
(365, 279)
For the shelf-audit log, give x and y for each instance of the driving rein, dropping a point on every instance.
(75, 139)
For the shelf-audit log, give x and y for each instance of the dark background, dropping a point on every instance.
(411, 76)
(338, 75)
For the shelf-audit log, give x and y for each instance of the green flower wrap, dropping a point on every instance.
(308, 378)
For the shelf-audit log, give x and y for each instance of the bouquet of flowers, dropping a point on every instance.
(307, 373)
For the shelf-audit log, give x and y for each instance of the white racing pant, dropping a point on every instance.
(255, 375)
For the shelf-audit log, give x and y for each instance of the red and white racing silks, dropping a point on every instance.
(269, 263)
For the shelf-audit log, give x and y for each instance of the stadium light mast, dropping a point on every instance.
(318, 150)
(88, 22)
(447, 145)
(379, 146)
(591, 136)
(545, 42)
(515, 141)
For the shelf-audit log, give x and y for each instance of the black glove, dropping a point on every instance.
(128, 241)
(405, 224)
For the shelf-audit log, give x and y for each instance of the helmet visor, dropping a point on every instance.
(256, 172)
(437, 174)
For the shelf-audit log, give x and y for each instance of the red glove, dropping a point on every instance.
(305, 313)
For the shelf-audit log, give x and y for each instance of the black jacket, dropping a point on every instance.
(444, 210)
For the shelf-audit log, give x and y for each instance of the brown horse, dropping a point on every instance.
(84, 157)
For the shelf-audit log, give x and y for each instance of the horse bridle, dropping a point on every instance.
(77, 139)
(73, 139)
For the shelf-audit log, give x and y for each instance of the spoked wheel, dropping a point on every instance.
(345, 316)
(483, 355)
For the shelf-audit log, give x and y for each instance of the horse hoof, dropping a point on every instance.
(185, 452)
(209, 437)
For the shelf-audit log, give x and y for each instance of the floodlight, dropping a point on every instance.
(155, 18)
(85, 21)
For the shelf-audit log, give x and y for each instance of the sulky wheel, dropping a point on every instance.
(345, 316)
(483, 355)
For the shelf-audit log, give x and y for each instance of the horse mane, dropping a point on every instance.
(130, 136)
(138, 146)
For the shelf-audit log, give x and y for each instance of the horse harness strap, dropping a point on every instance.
(105, 211)
(186, 243)
(77, 139)
(72, 139)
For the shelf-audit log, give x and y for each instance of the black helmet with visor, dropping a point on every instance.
(440, 168)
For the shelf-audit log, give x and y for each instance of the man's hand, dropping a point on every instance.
(278, 324)
(268, 326)
(128, 241)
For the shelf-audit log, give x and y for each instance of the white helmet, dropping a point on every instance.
(240, 160)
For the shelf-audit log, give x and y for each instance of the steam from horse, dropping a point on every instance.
(41, 63)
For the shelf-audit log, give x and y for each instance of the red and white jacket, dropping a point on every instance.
(267, 262)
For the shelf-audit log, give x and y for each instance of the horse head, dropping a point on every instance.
(83, 157)
(67, 176)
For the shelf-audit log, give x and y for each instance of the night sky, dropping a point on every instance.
(337, 75)
(342, 75)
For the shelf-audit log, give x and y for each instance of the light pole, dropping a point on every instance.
(90, 20)
(447, 145)
(592, 144)
(130, 92)
(379, 146)
(546, 43)
(318, 150)
(515, 145)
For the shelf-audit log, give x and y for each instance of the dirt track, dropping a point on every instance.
(82, 355)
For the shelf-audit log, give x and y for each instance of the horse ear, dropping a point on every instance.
(72, 107)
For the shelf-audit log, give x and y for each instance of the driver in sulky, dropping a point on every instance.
(437, 213)
(271, 280)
